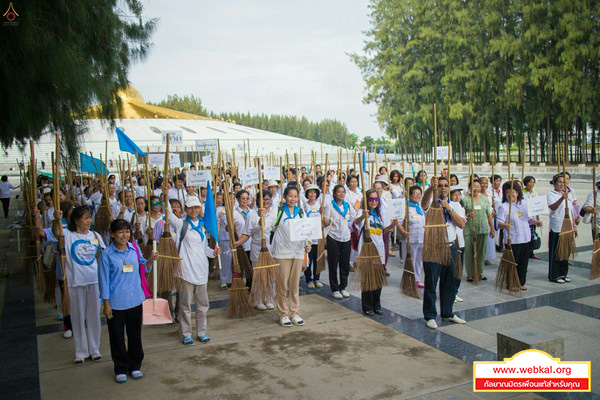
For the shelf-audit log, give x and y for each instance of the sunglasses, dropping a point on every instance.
(373, 199)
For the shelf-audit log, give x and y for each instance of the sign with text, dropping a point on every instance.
(207, 145)
(249, 176)
(175, 137)
(271, 173)
(396, 209)
(159, 159)
(303, 229)
(207, 160)
(537, 206)
(442, 152)
(198, 178)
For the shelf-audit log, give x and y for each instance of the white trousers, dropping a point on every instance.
(225, 258)
(416, 252)
(85, 317)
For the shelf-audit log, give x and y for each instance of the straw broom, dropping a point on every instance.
(368, 263)
(66, 304)
(322, 243)
(408, 282)
(147, 248)
(476, 272)
(435, 247)
(566, 238)
(239, 298)
(507, 278)
(168, 259)
(267, 276)
(103, 214)
(595, 270)
(38, 262)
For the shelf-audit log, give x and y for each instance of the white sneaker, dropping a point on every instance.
(431, 324)
(260, 307)
(296, 320)
(566, 279)
(560, 280)
(345, 293)
(285, 322)
(455, 319)
(68, 334)
(270, 306)
(337, 295)
(458, 299)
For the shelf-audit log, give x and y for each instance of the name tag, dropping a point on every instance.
(94, 242)
(477, 208)
(127, 268)
(520, 214)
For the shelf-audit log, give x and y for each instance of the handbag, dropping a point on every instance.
(536, 241)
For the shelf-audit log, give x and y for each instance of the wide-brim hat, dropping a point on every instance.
(192, 201)
(383, 179)
(312, 187)
(273, 183)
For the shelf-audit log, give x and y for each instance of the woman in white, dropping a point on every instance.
(396, 184)
(81, 249)
(312, 209)
(252, 231)
(289, 255)
(339, 216)
(520, 233)
(225, 259)
(528, 193)
(5, 188)
(417, 232)
(486, 191)
(241, 214)
(558, 270)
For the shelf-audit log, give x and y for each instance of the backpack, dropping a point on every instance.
(278, 220)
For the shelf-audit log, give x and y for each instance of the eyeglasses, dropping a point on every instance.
(373, 199)
(443, 186)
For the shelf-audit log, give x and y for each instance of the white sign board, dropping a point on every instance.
(159, 159)
(249, 176)
(239, 147)
(207, 145)
(303, 229)
(537, 206)
(175, 137)
(396, 209)
(442, 152)
(271, 173)
(207, 160)
(198, 178)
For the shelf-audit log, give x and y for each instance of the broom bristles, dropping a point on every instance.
(595, 270)
(168, 264)
(459, 267)
(368, 264)
(266, 278)
(435, 247)
(507, 279)
(103, 219)
(476, 272)
(566, 240)
(239, 299)
(409, 280)
(321, 256)
(244, 263)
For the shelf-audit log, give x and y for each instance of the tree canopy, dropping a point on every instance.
(526, 67)
(62, 57)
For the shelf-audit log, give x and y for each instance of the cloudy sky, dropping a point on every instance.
(263, 56)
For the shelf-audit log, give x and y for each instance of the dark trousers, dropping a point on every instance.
(556, 269)
(67, 326)
(310, 274)
(532, 228)
(128, 358)
(521, 254)
(248, 278)
(5, 204)
(338, 256)
(371, 301)
(445, 275)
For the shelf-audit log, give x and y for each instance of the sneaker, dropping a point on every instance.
(337, 295)
(59, 317)
(387, 274)
(121, 378)
(96, 357)
(203, 338)
(285, 322)
(431, 324)
(318, 284)
(420, 285)
(523, 287)
(137, 374)
(458, 299)
(344, 293)
(296, 320)
(487, 262)
(566, 279)
(260, 307)
(188, 341)
(68, 334)
(455, 319)
(310, 285)
(270, 306)
(79, 360)
(223, 286)
(560, 280)
(391, 254)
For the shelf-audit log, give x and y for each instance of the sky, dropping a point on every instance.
(262, 56)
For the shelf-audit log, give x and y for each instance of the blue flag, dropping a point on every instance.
(364, 166)
(127, 145)
(92, 165)
(210, 214)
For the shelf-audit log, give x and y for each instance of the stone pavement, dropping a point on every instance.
(339, 354)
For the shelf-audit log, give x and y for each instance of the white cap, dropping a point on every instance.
(382, 179)
(192, 201)
(312, 187)
(273, 183)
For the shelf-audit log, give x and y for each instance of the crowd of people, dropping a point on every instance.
(107, 270)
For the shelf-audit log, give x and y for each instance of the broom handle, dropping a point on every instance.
(166, 180)
(154, 271)
(595, 214)
(262, 205)
(565, 178)
(434, 140)
(362, 183)
(512, 181)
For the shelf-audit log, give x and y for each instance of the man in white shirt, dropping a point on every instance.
(589, 207)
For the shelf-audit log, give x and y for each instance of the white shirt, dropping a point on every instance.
(417, 225)
(282, 246)
(589, 202)
(339, 227)
(354, 199)
(557, 216)
(5, 188)
(239, 221)
(81, 250)
(519, 219)
(177, 194)
(253, 230)
(140, 191)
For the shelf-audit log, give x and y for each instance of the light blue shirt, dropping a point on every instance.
(122, 289)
